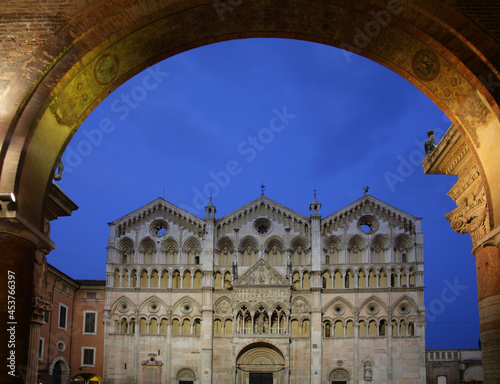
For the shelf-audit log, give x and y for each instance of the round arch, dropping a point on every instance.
(63, 364)
(94, 59)
(260, 359)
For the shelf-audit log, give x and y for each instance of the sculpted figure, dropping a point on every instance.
(60, 169)
(430, 144)
(368, 372)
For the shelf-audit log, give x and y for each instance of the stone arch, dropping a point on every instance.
(122, 300)
(224, 241)
(186, 374)
(339, 373)
(407, 299)
(145, 303)
(420, 33)
(248, 241)
(125, 248)
(374, 299)
(259, 358)
(338, 299)
(64, 373)
(301, 241)
(186, 299)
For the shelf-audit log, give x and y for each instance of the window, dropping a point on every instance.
(91, 295)
(63, 316)
(88, 356)
(40, 348)
(89, 322)
(45, 316)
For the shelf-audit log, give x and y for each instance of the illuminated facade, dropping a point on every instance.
(265, 295)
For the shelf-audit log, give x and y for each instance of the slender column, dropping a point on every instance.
(170, 377)
(488, 289)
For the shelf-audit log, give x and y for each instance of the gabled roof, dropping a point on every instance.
(256, 203)
(263, 274)
(157, 204)
(369, 199)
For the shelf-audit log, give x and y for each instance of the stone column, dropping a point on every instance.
(488, 291)
(169, 348)
(17, 302)
(41, 303)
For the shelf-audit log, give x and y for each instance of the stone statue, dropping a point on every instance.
(368, 372)
(430, 144)
(60, 169)
(260, 324)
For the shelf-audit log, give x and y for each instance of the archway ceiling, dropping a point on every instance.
(109, 42)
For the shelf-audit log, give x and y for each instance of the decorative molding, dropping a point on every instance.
(452, 157)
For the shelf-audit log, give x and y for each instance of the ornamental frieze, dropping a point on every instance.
(259, 294)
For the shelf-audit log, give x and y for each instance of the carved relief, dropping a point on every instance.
(300, 306)
(261, 273)
(151, 361)
(223, 307)
(41, 298)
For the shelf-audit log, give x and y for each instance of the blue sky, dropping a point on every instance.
(294, 115)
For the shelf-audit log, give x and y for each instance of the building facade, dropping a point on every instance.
(265, 295)
(71, 342)
(445, 366)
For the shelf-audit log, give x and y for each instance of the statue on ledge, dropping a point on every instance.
(430, 144)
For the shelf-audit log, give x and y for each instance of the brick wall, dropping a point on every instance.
(484, 12)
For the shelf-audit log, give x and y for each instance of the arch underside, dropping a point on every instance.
(398, 35)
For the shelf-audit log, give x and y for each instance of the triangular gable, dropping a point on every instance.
(261, 273)
(158, 204)
(361, 202)
(256, 204)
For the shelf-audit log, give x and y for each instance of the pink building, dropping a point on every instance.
(71, 339)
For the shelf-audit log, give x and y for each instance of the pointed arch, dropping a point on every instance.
(356, 245)
(301, 241)
(147, 243)
(183, 300)
(274, 241)
(224, 241)
(122, 300)
(248, 241)
(336, 300)
(145, 303)
(406, 299)
(376, 299)
(169, 243)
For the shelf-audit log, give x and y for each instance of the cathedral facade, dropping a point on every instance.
(265, 295)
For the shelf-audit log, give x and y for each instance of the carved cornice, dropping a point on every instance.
(452, 157)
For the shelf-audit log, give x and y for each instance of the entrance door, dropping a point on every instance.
(261, 378)
(57, 373)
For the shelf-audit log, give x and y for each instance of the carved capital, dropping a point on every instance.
(471, 215)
